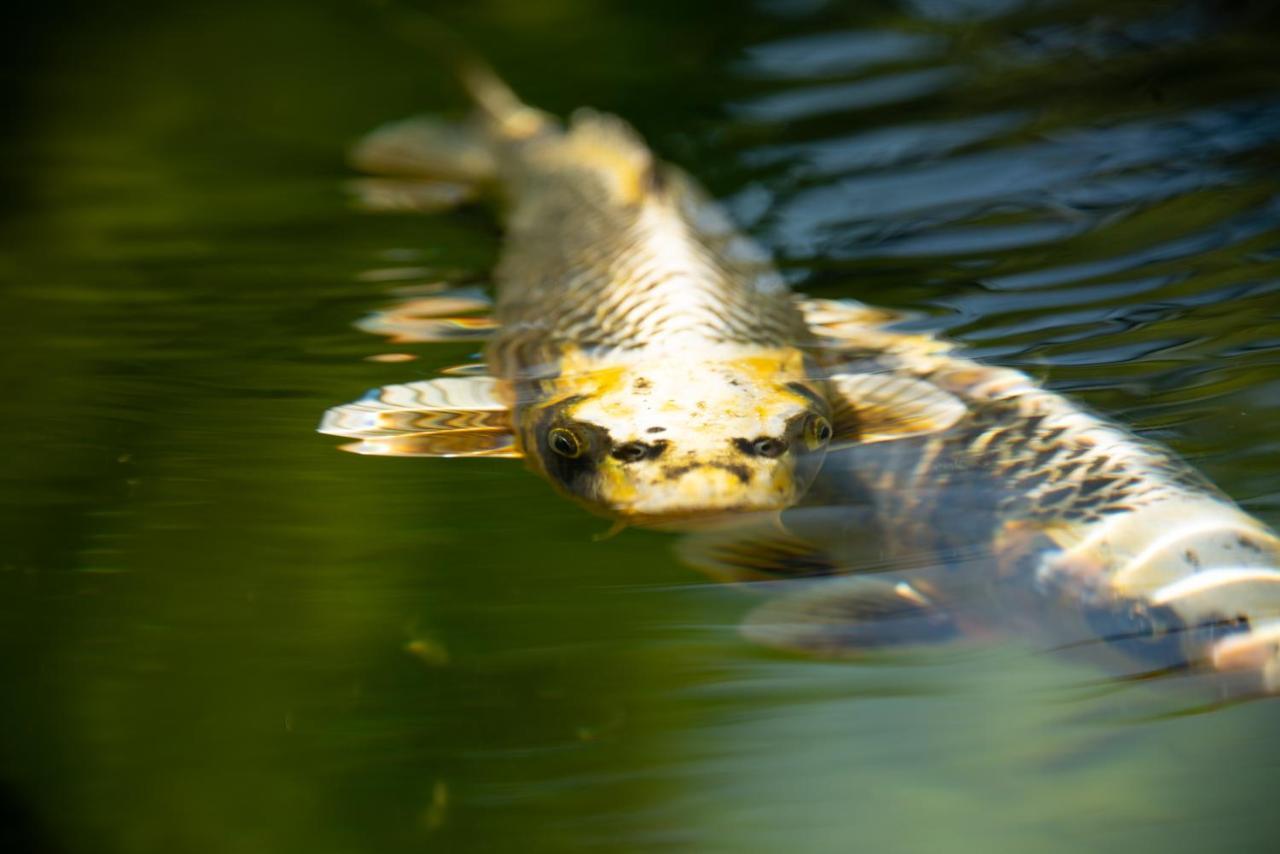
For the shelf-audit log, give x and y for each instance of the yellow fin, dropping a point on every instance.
(881, 407)
(755, 548)
(611, 146)
(453, 443)
(408, 195)
(445, 417)
(429, 148)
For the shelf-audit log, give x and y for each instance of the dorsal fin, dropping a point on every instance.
(611, 147)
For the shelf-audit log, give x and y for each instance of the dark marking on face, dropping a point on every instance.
(634, 452)
(641, 384)
(656, 430)
(763, 446)
(741, 472)
(1192, 557)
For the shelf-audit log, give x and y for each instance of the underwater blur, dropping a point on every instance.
(221, 635)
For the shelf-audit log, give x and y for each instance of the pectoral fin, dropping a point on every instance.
(444, 417)
(432, 318)
(427, 148)
(880, 407)
(842, 617)
(450, 443)
(408, 195)
(755, 550)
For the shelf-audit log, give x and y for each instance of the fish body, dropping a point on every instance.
(649, 361)
(1029, 510)
(653, 361)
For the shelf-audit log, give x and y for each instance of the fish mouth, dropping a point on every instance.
(696, 518)
(704, 493)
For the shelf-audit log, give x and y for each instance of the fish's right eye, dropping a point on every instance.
(564, 442)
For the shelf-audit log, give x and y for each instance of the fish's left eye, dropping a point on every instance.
(817, 432)
(565, 442)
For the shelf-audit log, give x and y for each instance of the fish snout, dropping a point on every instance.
(711, 488)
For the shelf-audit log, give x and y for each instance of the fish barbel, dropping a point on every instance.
(651, 362)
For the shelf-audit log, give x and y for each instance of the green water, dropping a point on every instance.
(222, 635)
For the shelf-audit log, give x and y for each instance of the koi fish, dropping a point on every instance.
(1028, 511)
(646, 358)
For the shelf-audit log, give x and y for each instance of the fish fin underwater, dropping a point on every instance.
(443, 417)
(848, 617)
(646, 359)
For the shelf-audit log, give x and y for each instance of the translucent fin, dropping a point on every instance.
(468, 369)
(880, 407)
(844, 616)
(849, 325)
(427, 148)
(454, 443)
(445, 417)
(447, 404)
(838, 314)
(402, 195)
(756, 550)
(426, 319)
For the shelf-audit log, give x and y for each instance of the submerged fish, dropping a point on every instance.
(648, 360)
(1028, 510)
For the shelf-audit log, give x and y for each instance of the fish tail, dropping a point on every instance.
(495, 102)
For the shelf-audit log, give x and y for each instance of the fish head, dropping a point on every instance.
(666, 441)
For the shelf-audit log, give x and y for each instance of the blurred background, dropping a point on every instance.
(219, 634)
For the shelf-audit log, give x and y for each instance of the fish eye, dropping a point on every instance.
(630, 452)
(565, 442)
(817, 432)
(768, 447)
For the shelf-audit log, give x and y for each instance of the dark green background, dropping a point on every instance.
(205, 609)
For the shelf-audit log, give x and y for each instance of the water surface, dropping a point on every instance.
(222, 635)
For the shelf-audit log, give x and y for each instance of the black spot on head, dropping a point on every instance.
(634, 452)
(656, 430)
(1192, 557)
(763, 446)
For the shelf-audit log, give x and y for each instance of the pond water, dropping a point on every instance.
(222, 635)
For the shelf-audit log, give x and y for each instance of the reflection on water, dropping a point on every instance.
(220, 635)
